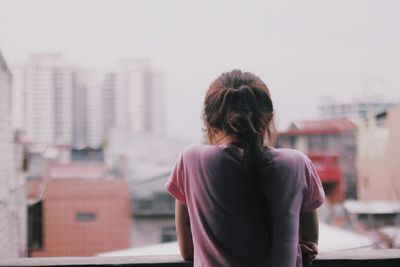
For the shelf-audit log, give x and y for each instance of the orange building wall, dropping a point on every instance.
(64, 235)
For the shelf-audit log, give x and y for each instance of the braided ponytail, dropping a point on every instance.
(239, 104)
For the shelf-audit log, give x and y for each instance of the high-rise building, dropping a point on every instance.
(354, 110)
(93, 111)
(133, 98)
(18, 109)
(42, 99)
(79, 112)
(108, 103)
(87, 121)
(56, 104)
(12, 193)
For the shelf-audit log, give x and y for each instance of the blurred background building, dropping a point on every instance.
(13, 223)
(81, 217)
(355, 109)
(148, 160)
(55, 103)
(331, 145)
(379, 156)
(133, 98)
(78, 208)
(87, 109)
(153, 212)
(88, 140)
(42, 99)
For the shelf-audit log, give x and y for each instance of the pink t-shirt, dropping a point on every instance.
(223, 220)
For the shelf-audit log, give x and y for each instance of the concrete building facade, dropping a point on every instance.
(42, 99)
(12, 193)
(87, 109)
(378, 156)
(108, 103)
(133, 98)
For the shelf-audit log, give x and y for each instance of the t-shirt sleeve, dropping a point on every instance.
(175, 185)
(314, 194)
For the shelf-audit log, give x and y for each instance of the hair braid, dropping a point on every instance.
(239, 104)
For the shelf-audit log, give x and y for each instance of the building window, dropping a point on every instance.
(381, 119)
(315, 143)
(35, 227)
(85, 216)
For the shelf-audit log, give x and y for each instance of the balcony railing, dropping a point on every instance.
(348, 258)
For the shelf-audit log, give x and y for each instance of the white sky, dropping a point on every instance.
(304, 50)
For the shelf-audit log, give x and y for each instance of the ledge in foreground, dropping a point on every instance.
(348, 258)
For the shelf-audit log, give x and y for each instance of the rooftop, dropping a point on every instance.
(325, 126)
(88, 170)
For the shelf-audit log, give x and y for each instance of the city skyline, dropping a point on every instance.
(56, 103)
(304, 50)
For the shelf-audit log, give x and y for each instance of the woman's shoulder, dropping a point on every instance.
(289, 156)
(194, 150)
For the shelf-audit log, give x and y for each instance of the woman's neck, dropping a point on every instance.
(221, 138)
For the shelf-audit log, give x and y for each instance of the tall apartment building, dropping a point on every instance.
(87, 120)
(42, 99)
(79, 112)
(133, 98)
(108, 103)
(12, 193)
(354, 110)
(56, 104)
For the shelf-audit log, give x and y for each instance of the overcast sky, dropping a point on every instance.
(304, 50)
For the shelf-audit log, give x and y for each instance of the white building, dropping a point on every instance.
(42, 99)
(133, 98)
(378, 153)
(56, 104)
(355, 110)
(87, 120)
(108, 103)
(12, 191)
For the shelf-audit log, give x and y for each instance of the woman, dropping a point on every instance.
(241, 202)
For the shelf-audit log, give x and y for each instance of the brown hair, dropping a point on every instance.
(239, 104)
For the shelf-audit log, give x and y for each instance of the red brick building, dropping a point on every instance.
(331, 145)
(80, 216)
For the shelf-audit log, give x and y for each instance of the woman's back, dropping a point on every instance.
(224, 217)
